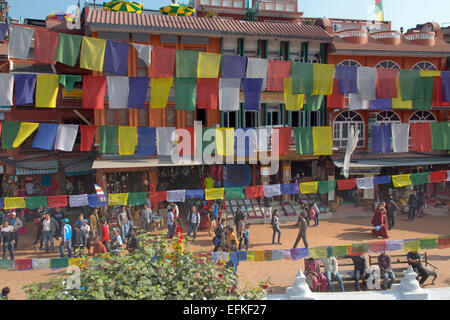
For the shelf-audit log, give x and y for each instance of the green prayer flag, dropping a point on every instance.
(68, 48)
(409, 81)
(36, 202)
(420, 178)
(326, 186)
(313, 103)
(425, 89)
(108, 139)
(59, 263)
(440, 136)
(9, 133)
(68, 81)
(338, 251)
(302, 77)
(304, 140)
(185, 93)
(6, 264)
(358, 249)
(186, 64)
(234, 193)
(429, 243)
(137, 198)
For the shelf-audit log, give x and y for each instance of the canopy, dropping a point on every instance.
(123, 6)
(177, 9)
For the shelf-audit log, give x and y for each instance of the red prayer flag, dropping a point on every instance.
(387, 82)
(22, 264)
(87, 137)
(284, 139)
(45, 43)
(207, 93)
(157, 196)
(438, 101)
(346, 184)
(94, 92)
(163, 62)
(254, 192)
(421, 137)
(378, 246)
(336, 100)
(278, 70)
(57, 201)
(438, 176)
(185, 152)
(443, 242)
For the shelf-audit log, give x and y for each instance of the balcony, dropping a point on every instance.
(354, 36)
(278, 6)
(237, 4)
(423, 38)
(389, 37)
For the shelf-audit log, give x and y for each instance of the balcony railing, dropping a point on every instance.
(386, 35)
(224, 3)
(277, 6)
(351, 34)
(421, 36)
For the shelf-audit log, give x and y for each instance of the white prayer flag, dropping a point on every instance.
(144, 53)
(65, 137)
(176, 196)
(6, 89)
(229, 92)
(264, 135)
(258, 68)
(272, 190)
(355, 103)
(165, 138)
(365, 183)
(367, 83)
(400, 137)
(78, 200)
(118, 90)
(20, 42)
(40, 264)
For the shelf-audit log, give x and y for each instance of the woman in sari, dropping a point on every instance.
(379, 222)
(313, 274)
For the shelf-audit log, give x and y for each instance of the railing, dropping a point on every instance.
(224, 3)
(276, 6)
(386, 35)
(421, 36)
(351, 34)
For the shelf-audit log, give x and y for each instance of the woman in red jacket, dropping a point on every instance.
(105, 233)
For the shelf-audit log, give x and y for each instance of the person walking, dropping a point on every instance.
(87, 231)
(330, 266)
(379, 222)
(50, 228)
(384, 263)
(39, 238)
(78, 240)
(391, 208)
(240, 215)
(276, 227)
(170, 222)
(7, 237)
(267, 209)
(94, 222)
(420, 205)
(66, 238)
(212, 221)
(245, 235)
(303, 226)
(194, 221)
(219, 238)
(146, 217)
(412, 203)
(16, 223)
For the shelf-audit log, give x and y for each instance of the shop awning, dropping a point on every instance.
(141, 163)
(36, 167)
(78, 166)
(381, 163)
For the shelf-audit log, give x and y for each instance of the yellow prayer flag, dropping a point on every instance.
(208, 65)
(399, 103)
(323, 77)
(117, 199)
(215, 193)
(250, 255)
(322, 141)
(14, 202)
(92, 53)
(259, 255)
(47, 90)
(292, 101)
(225, 141)
(160, 90)
(401, 180)
(319, 252)
(127, 140)
(308, 187)
(430, 73)
(25, 130)
(79, 262)
(411, 245)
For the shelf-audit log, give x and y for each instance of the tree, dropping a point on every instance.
(154, 272)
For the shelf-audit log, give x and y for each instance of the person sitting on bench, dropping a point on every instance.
(415, 261)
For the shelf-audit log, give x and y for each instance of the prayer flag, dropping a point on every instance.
(326, 186)
(429, 243)
(187, 64)
(10, 130)
(278, 71)
(409, 81)
(346, 184)
(443, 242)
(387, 83)
(268, 255)
(234, 193)
(22, 264)
(399, 103)
(356, 103)
(116, 57)
(137, 92)
(318, 252)
(25, 130)
(366, 83)
(289, 188)
(45, 136)
(284, 139)
(127, 140)
(94, 88)
(4, 27)
(160, 90)
(57, 201)
(411, 245)
(347, 79)
(46, 90)
(19, 42)
(229, 94)
(313, 103)
(365, 183)
(79, 262)
(6, 264)
(14, 202)
(25, 85)
(118, 92)
(137, 198)
(45, 43)
(96, 201)
(338, 251)
(195, 194)
(299, 253)
(323, 76)
(165, 137)
(281, 254)
(430, 73)
(68, 81)
(234, 66)
(87, 137)
(381, 138)
(185, 93)
(40, 264)
(208, 65)
(108, 136)
(445, 80)
(438, 99)
(358, 249)
(381, 104)
(322, 141)
(400, 137)
(337, 99)
(117, 199)
(79, 200)
(92, 54)
(420, 178)
(377, 246)
(292, 101)
(68, 48)
(308, 187)
(258, 255)
(252, 93)
(421, 137)
(425, 95)
(304, 140)
(394, 245)
(302, 78)
(257, 68)
(440, 135)
(66, 136)
(146, 145)
(225, 141)
(381, 180)
(214, 193)
(163, 62)
(438, 176)
(176, 196)
(272, 190)
(401, 180)
(144, 53)
(34, 203)
(59, 263)
(254, 192)
(207, 93)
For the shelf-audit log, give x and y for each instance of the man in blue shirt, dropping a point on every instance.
(415, 261)
(66, 240)
(216, 212)
(194, 221)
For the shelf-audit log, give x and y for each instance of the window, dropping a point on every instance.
(349, 63)
(424, 65)
(341, 128)
(388, 117)
(273, 114)
(230, 119)
(200, 115)
(420, 117)
(251, 119)
(298, 119)
(387, 64)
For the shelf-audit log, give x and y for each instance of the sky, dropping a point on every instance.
(402, 13)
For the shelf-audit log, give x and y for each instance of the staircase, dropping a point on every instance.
(252, 13)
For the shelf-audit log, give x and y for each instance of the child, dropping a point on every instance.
(245, 236)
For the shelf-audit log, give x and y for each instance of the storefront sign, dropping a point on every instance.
(76, 94)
